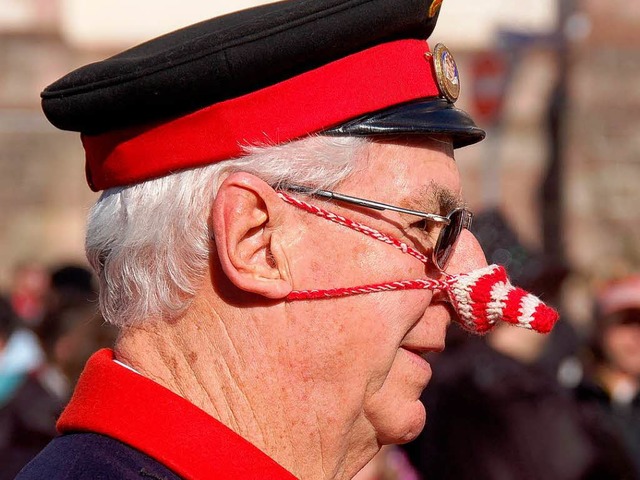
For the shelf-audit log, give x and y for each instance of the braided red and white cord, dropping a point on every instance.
(358, 227)
(480, 298)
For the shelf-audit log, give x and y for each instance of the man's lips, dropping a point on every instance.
(423, 352)
(417, 356)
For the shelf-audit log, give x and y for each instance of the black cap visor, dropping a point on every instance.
(423, 117)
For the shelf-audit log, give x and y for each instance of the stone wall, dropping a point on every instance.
(43, 196)
(603, 151)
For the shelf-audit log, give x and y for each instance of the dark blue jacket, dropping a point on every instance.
(89, 456)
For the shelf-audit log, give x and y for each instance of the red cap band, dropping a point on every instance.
(371, 80)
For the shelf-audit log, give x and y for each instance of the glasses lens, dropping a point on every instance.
(448, 237)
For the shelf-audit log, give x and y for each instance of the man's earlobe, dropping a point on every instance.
(243, 219)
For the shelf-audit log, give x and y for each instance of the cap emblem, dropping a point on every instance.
(434, 8)
(446, 73)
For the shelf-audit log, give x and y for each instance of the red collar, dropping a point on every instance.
(114, 401)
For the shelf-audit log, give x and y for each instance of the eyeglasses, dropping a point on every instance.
(453, 223)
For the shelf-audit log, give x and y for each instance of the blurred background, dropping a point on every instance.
(556, 84)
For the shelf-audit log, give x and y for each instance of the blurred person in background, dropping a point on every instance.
(73, 328)
(28, 291)
(20, 356)
(69, 331)
(497, 409)
(609, 392)
(20, 352)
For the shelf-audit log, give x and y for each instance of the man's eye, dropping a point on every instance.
(428, 227)
(421, 225)
(429, 232)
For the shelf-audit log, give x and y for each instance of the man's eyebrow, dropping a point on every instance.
(437, 199)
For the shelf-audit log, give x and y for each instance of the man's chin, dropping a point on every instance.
(403, 426)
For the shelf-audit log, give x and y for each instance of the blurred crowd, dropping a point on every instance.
(49, 326)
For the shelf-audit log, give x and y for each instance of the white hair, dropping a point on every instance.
(150, 243)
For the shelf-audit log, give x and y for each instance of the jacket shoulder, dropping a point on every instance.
(89, 456)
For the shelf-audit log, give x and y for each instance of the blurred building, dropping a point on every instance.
(603, 146)
(44, 200)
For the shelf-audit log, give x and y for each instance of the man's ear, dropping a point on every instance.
(244, 214)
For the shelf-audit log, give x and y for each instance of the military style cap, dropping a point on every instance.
(261, 76)
(620, 295)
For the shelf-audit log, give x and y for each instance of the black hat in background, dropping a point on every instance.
(73, 277)
(530, 269)
(265, 75)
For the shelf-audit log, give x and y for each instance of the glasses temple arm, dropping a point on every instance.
(364, 203)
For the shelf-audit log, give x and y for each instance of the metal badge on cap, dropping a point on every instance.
(446, 73)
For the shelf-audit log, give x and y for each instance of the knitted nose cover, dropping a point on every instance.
(481, 298)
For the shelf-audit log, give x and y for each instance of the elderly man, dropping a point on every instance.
(279, 241)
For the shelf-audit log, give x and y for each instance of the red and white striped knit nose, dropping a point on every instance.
(484, 297)
(481, 298)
